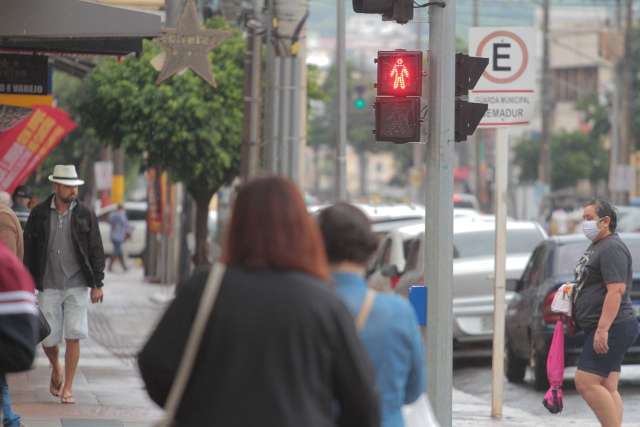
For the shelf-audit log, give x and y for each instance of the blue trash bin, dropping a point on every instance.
(418, 298)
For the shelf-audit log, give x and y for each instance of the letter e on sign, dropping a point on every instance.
(508, 83)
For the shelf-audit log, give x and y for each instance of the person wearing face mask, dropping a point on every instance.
(602, 308)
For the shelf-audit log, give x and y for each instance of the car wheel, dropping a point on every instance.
(515, 367)
(539, 363)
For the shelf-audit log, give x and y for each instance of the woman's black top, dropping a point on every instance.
(280, 350)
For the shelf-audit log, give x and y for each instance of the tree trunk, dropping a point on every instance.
(201, 256)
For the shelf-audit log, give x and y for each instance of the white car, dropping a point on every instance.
(474, 275)
(137, 215)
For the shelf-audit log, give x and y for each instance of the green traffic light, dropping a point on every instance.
(359, 103)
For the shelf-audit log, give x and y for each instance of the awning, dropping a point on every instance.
(75, 26)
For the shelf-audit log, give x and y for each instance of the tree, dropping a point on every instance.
(574, 156)
(183, 126)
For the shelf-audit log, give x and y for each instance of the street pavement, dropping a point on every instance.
(110, 393)
(475, 377)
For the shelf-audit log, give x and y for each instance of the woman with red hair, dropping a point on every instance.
(280, 348)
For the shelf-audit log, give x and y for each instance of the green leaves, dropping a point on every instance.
(183, 125)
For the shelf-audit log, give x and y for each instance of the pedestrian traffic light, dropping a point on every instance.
(399, 87)
(400, 11)
(359, 102)
(399, 73)
(468, 115)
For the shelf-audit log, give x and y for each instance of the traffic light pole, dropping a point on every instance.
(439, 204)
(341, 62)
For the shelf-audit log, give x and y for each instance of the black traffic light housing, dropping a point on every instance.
(399, 88)
(400, 11)
(468, 115)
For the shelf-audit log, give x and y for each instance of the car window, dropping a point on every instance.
(482, 243)
(411, 253)
(533, 273)
(385, 259)
(136, 215)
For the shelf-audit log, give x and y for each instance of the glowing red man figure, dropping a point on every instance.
(399, 72)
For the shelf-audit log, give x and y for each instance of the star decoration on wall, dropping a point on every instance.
(188, 45)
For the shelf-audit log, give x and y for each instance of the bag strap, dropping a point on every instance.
(367, 305)
(185, 368)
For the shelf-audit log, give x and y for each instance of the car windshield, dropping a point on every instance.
(482, 243)
(568, 254)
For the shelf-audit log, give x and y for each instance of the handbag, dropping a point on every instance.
(44, 329)
(185, 368)
(419, 413)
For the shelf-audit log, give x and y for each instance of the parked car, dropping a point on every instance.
(473, 276)
(529, 320)
(388, 263)
(465, 201)
(137, 215)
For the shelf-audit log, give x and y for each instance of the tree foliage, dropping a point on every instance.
(184, 126)
(574, 156)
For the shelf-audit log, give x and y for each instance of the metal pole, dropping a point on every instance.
(341, 111)
(271, 98)
(416, 192)
(615, 117)
(502, 166)
(253, 67)
(625, 149)
(294, 132)
(475, 140)
(547, 101)
(274, 146)
(285, 100)
(172, 9)
(439, 201)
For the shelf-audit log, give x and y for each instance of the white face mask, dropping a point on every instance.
(590, 229)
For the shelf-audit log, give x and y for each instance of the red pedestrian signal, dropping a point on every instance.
(399, 88)
(399, 73)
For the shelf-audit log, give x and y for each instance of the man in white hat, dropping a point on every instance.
(63, 251)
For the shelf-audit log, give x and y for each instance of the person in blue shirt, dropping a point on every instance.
(390, 333)
(120, 230)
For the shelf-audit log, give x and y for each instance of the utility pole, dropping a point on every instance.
(614, 153)
(271, 119)
(544, 169)
(475, 140)
(625, 148)
(439, 200)
(341, 111)
(252, 66)
(290, 20)
(417, 194)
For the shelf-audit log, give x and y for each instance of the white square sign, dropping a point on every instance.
(508, 82)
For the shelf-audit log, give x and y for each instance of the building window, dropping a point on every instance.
(574, 84)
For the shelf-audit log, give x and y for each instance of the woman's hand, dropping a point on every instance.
(601, 341)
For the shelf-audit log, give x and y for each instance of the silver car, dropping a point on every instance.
(473, 275)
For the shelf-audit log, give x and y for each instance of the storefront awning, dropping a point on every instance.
(74, 26)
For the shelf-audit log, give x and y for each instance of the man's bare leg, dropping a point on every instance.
(591, 388)
(56, 370)
(71, 358)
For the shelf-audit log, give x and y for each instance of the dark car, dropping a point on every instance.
(530, 321)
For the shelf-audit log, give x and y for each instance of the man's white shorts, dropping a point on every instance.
(66, 312)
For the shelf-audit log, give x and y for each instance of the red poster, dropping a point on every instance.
(28, 143)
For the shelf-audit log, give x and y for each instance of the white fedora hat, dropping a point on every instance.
(65, 175)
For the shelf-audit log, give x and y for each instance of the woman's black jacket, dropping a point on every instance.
(280, 350)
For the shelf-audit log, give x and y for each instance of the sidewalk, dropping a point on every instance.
(108, 389)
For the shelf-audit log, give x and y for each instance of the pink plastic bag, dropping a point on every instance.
(555, 370)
